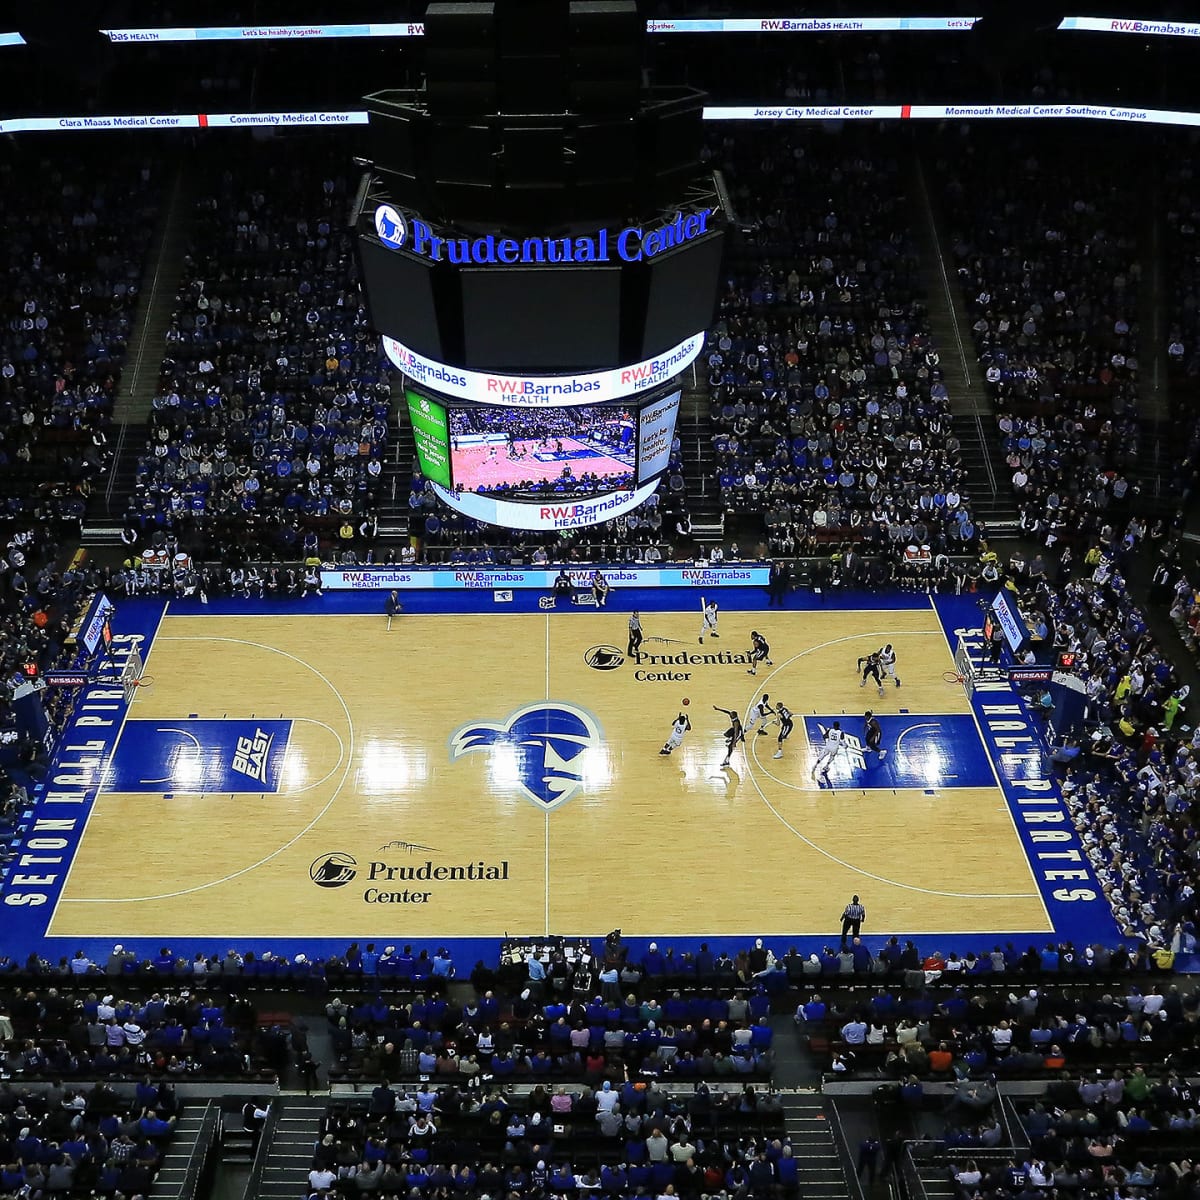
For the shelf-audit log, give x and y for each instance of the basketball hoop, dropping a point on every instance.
(143, 681)
(953, 677)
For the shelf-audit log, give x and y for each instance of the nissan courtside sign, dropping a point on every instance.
(631, 244)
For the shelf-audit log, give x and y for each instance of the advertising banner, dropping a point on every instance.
(634, 243)
(432, 437)
(504, 579)
(209, 33)
(1131, 25)
(814, 25)
(264, 33)
(93, 629)
(946, 112)
(66, 678)
(1009, 618)
(544, 391)
(656, 429)
(1038, 674)
(530, 514)
(736, 112)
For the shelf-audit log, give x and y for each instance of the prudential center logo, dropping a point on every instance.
(390, 226)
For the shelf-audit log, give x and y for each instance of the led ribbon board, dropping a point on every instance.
(544, 391)
(718, 112)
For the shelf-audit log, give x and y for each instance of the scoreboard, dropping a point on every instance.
(541, 251)
(506, 464)
(590, 297)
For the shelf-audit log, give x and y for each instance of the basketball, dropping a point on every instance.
(686, 702)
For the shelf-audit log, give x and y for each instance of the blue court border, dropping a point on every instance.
(56, 821)
(1011, 735)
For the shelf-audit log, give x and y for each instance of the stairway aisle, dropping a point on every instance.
(987, 484)
(1154, 300)
(819, 1170)
(156, 301)
(399, 464)
(1152, 472)
(948, 320)
(933, 1165)
(289, 1155)
(694, 429)
(169, 1181)
(151, 320)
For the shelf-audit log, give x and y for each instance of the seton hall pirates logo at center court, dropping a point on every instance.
(540, 748)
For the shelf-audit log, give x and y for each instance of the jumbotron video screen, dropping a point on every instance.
(531, 452)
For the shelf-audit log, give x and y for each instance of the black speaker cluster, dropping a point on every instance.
(535, 112)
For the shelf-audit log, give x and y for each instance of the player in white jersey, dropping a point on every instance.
(708, 620)
(830, 749)
(679, 727)
(887, 663)
(759, 712)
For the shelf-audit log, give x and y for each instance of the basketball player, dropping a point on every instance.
(834, 740)
(393, 608)
(759, 712)
(785, 728)
(634, 649)
(708, 621)
(759, 652)
(679, 727)
(873, 734)
(869, 667)
(887, 660)
(600, 589)
(733, 735)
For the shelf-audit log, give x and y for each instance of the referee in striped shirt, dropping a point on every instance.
(634, 649)
(853, 915)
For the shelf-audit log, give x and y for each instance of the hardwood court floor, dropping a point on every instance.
(285, 773)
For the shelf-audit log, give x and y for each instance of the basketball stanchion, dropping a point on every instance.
(131, 674)
(965, 672)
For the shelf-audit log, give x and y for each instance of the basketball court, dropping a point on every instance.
(308, 777)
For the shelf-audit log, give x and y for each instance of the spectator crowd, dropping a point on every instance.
(273, 411)
(831, 418)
